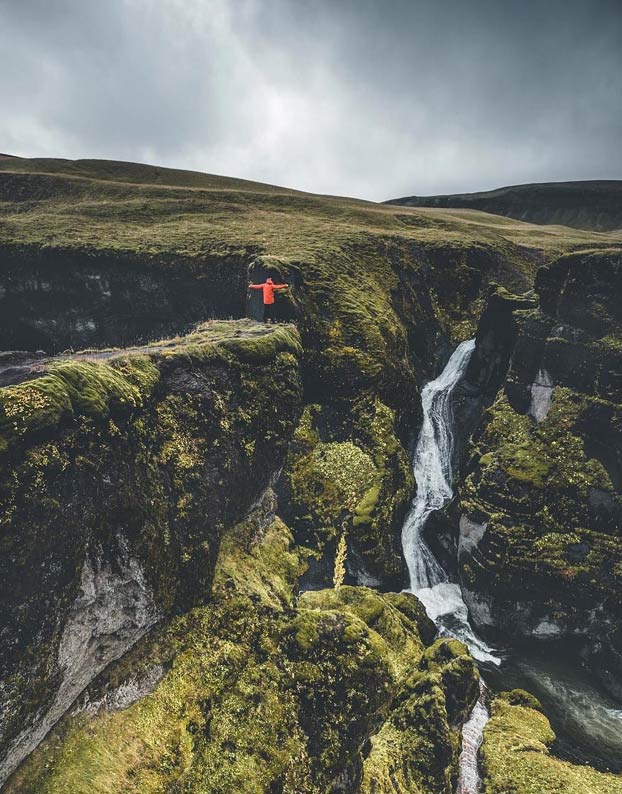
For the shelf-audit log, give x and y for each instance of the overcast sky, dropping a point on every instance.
(371, 99)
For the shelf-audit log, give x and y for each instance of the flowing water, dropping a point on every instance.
(582, 716)
(432, 464)
(472, 735)
(433, 471)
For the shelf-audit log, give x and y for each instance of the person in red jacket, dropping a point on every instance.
(268, 288)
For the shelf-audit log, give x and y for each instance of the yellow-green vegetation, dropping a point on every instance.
(517, 758)
(126, 205)
(416, 749)
(348, 468)
(339, 572)
(540, 454)
(72, 388)
(533, 485)
(337, 475)
(223, 714)
(99, 383)
(257, 694)
(156, 451)
(174, 440)
(544, 489)
(375, 287)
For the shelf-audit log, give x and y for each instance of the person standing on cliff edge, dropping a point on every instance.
(268, 288)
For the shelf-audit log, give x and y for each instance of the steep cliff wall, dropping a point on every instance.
(118, 475)
(54, 298)
(541, 526)
(258, 691)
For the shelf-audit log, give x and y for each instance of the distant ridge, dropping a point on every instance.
(594, 205)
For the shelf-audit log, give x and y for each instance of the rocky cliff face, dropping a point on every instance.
(541, 510)
(53, 299)
(119, 475)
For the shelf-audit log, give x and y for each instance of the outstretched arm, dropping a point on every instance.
(255, 286)
(280, 286)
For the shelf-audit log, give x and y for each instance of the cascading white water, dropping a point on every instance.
(442, 599)
(432, 465)
(472, 735)
(433, 469)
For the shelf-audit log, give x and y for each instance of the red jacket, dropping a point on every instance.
(268, 288)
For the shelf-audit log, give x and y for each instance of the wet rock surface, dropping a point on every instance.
(544, 472)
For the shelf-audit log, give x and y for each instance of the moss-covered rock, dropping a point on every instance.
(516, 755)
(118, 476)
(254, 693)
(416, 750)
(541, 550)
(348, 470)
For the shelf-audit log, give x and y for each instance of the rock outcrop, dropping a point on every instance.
(516, 754)
(119, 473)
(541, 522)
(256, 691)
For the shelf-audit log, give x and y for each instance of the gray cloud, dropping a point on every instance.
(359, 97)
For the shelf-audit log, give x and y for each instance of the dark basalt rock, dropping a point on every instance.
(544, 473)
(55, 299)
(117, 479)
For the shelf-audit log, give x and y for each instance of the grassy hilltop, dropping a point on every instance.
(118, 205)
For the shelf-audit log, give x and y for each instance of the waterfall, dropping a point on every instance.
(433, 469)
(432, 465)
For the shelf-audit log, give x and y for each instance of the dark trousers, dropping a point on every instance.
(269, 315)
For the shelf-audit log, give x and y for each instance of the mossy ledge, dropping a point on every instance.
(118, 474)
(516, 754)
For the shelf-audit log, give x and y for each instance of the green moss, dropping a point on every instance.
(122, 383)
(519, 697)
(533, 488)
(74, 388)
(332, 480)
(396, 622)
(416, 749)
(516, 755)
(223, 714)
(348, 466)
(257, 695)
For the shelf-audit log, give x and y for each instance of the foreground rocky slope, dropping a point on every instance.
(118, 478)
(258, 692)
